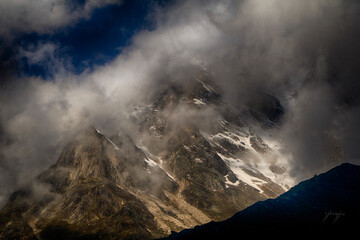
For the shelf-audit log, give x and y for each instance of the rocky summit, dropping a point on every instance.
(177, 173)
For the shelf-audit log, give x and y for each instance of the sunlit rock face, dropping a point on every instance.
(179, 173)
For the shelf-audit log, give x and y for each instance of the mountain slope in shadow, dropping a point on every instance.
(325, 205)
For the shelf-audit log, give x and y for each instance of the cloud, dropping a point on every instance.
(39, 54)
(44, 16)
(46, 55)
(304, 52)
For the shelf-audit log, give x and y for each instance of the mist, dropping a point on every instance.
(306, 53)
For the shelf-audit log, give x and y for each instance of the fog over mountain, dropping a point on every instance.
(306, 53)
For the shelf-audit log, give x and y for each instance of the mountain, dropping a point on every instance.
(88, 195)
(325, 205)
(193, 159)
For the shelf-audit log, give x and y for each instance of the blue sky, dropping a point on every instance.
(88, 43)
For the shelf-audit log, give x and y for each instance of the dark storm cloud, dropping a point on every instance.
(304, 52)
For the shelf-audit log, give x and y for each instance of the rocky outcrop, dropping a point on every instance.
(177, 176)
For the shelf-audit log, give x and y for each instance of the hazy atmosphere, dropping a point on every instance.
(66, 65)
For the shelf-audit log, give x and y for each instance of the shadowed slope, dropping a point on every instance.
(326, 204)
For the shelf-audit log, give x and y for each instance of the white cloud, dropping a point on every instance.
(38, 54)
(47, 55)
(43, 16)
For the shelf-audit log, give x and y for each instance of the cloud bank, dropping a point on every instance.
(304, 52)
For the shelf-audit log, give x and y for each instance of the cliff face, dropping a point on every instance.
(91, 186)
(177, 175)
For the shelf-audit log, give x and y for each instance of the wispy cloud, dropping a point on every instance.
(43, 16)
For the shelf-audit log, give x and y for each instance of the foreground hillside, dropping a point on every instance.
(326, 205)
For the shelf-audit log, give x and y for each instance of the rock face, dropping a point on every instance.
(91, 187)
(324, 206)
(178, 174)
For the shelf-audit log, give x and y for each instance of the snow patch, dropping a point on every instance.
(112, 143)
(169, 175)
(150, 162)
(254, 159)
(237, 167)
(207, 87)
(198, 101)
(153, 161)
(228, 182)
(187, 148)
(115, 146)
(238, 139)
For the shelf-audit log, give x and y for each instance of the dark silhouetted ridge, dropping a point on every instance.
(325, 205)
